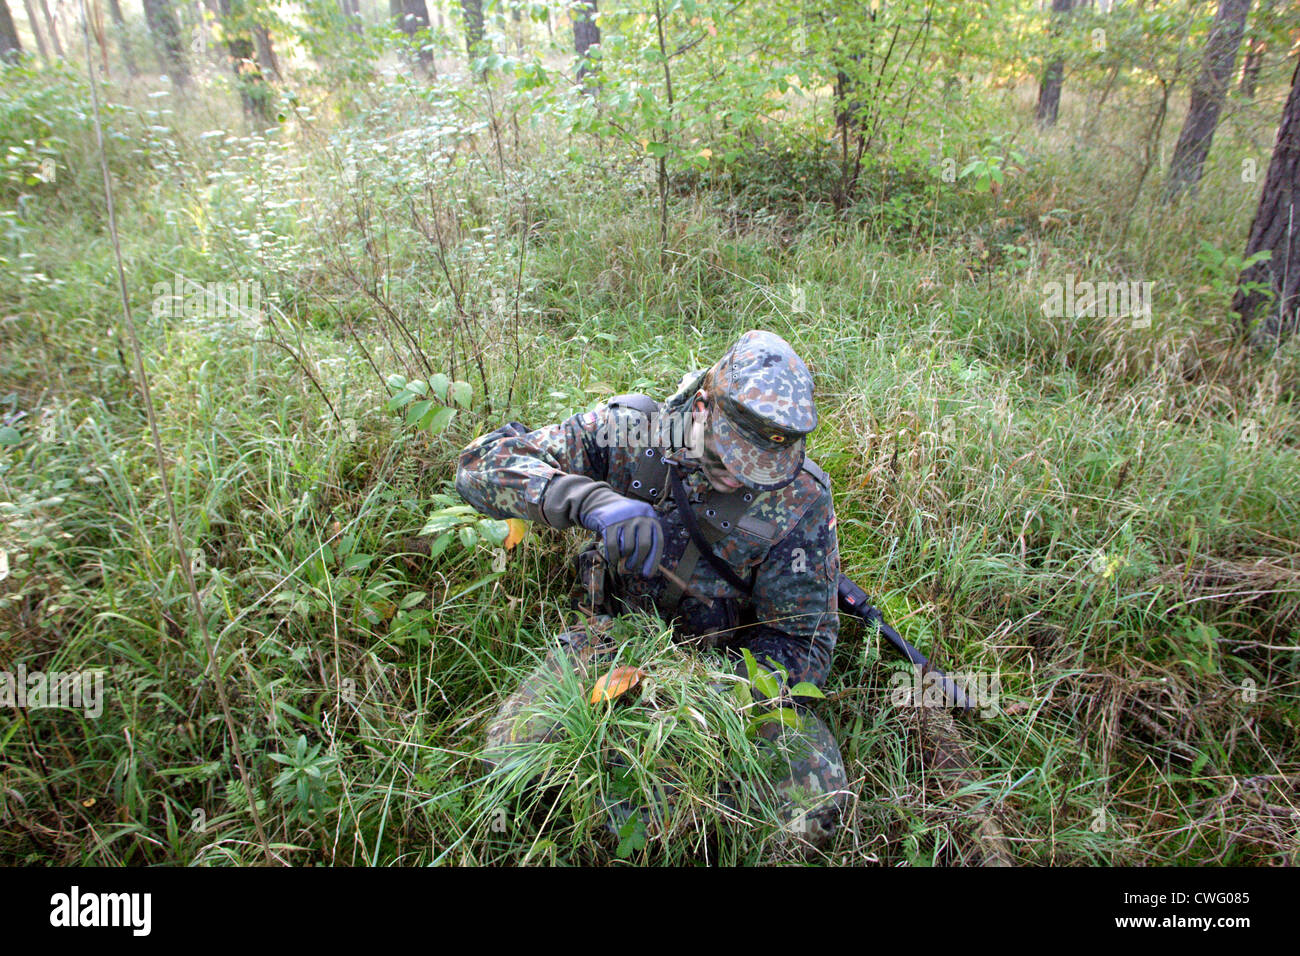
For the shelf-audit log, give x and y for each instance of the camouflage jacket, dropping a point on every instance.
(784, 542)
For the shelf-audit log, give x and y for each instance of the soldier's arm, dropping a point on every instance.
(796, 598)
(542, 475)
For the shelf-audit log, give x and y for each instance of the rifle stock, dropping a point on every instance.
(854, 600)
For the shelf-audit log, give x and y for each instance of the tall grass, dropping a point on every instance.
(1104, 515)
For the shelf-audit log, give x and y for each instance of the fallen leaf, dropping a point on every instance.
(518, 528)
(616, 683)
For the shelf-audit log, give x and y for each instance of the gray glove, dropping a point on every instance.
(630, 529)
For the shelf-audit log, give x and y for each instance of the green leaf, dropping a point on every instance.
(782, 715)
(494, 531)
(805, 689)
(468, 536)
(439, 385)
(657, 150)
(740, 691)
(418, 411)
(460, 393)
(439, 523)
(440, 545)
(631, 836)
(358, 562)
(401, 398)
(10, 435)
(440, 420)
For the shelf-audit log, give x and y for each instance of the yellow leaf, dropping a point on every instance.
(616, 683)
(645, 143)
(706, 153)
(88, 802)
(518, 528)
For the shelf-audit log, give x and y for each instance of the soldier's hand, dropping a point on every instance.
(630, 531)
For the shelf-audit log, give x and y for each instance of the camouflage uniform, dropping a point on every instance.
(777, 532)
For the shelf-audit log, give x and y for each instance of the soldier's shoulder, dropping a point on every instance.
(636, 401)
(814, 470)
(811, 486)
(787, 508)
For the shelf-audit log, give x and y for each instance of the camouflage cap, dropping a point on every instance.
(762, 409)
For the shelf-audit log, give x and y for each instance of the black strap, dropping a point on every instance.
(697, 536)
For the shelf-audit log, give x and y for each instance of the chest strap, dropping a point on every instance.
(698, 538)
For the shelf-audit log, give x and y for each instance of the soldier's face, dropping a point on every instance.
(704, 445)
(717, 473)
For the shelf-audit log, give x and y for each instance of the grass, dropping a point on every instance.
(1103, 515)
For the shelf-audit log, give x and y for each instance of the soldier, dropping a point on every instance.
(713, 485)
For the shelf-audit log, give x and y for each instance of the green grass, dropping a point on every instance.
(1076, 504)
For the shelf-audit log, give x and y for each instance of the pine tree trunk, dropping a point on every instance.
(266, 58)
(36, 31)
(411, 17)
(417, 13)
(11, 48)
(352, 13)
(166, 30)
(123, 37)
(1250, 69)
(1049, 89)
(473, 13)
(51, 30)
(1208, 94)
(1276, 228)
(1255, 48)
(254, 92)
(585, 35)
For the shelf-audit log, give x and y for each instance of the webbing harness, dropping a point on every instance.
(712, 519)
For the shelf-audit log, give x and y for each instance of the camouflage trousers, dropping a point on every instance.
(809, 785)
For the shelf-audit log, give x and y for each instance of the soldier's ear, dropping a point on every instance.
(700, 406)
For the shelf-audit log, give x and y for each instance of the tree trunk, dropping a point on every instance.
(418, 12)
(1208, 93)
(36, 30)
(473, 13)
(11, 48)
(254, 92)
(123, 37)
(1049, 89)
(412, 16)
(1250, 68)
(94, 17)
(352, 13)
(1276, 228)
(266, 52)
(1255, 48)
(51, 30)
(585, 35)
(166, 30)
